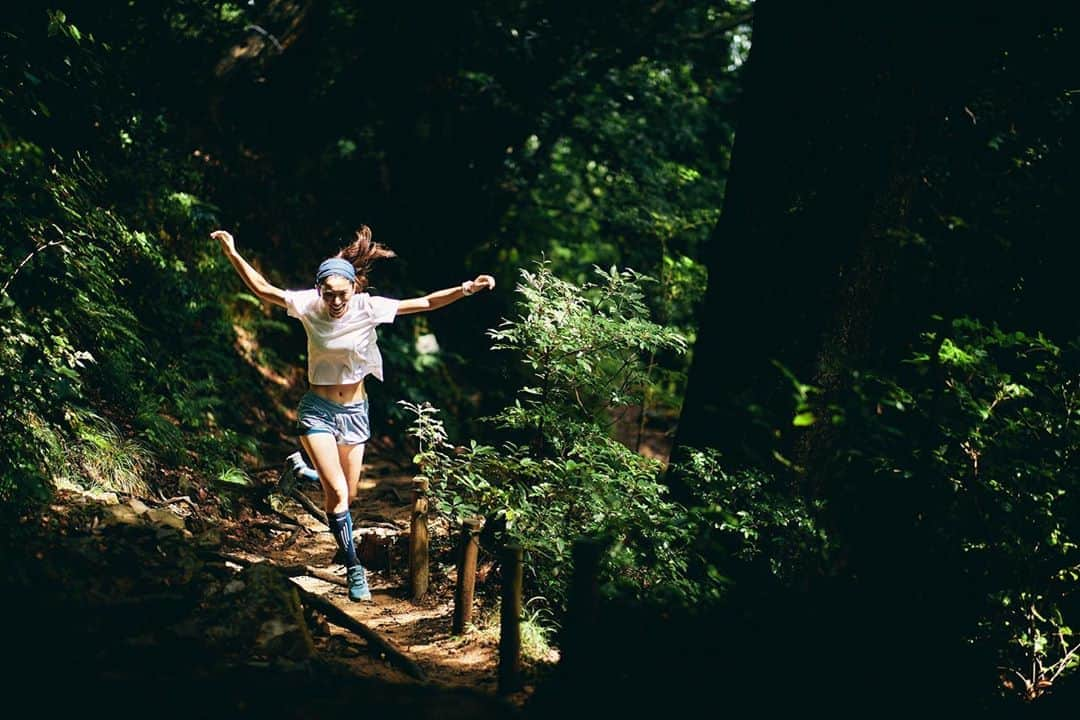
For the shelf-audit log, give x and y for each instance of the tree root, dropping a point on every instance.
(387, 647)
(336, 615)
(314, 510)
(289, 571)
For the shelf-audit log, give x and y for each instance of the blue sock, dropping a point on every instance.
(309, 474)
(341, 526)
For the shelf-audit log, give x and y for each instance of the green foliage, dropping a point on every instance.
(751, 517)
(583, 348)
(626, 169)
(561, 475)
(605, 157)
(537, 629)
(85, 322)
(108, 459)
(233, 476)
(600, 182)
(162, 436)
(984, 424)
(60, 305)
(109, 307)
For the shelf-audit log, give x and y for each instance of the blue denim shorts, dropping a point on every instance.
(348, 424)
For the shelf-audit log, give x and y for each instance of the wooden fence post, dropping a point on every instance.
(469, 545)
(510, 621)
(418, 540)
(583, 599)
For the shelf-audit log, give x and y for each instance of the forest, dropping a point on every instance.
(776, 395)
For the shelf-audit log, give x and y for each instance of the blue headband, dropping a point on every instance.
(335, 266)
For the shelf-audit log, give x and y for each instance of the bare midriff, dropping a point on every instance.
(341, 394)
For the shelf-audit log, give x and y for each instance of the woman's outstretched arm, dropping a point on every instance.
(442, 298)
(251, 277)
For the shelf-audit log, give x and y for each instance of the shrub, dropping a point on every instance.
(560, 475)
(975, 436)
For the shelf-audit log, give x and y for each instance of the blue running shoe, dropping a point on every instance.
(296, 463)
(358, 587)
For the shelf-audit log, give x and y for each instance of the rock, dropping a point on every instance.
(264, 617)
(277, 638)
(138, 506)
(161, 516)
(104, 497)
(120, 515)
(209, 538)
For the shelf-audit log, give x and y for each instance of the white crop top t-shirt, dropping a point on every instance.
(345, 350)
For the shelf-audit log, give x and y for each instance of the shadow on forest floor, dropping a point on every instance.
(128, 610)
(125, 608)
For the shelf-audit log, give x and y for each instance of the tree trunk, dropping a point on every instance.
(825, 162)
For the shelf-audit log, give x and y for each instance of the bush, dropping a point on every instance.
(973, 441)
(560, 475)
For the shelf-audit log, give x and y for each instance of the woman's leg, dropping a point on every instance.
(352, 459)
(323, 451)
(352, 464)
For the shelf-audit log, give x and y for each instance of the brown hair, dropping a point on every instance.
(362, 252)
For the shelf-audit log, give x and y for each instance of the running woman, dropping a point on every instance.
(339, 318)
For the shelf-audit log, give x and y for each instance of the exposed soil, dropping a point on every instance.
(121, 603)
(126, 603)
(421, 629)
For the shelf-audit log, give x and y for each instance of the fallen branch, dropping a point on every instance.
(235, 559)
(317, 573)
(277, 525)
(285, 517)
(314, 510)
(178, 499)
(336, 615)
(319, 514)
(293, 538)
(341, 618)
(290, 571)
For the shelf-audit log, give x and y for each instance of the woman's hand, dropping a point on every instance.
(482, 282)
(226, 240)
(251, 277)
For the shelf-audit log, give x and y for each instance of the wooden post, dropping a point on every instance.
(510, 621)
(466, 574)
(418, 540)
(583, 599)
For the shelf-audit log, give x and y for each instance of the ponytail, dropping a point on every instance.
(362, 252)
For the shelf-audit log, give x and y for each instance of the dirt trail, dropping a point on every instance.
(422, 630)
(124, 603)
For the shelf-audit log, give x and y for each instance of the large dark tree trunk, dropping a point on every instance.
(830, 139)
(845, 108)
